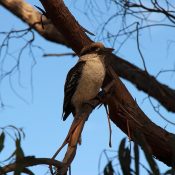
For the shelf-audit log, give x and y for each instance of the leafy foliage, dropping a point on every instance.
(19, 154)
(2, 139)
(148, 154)
(136, 158)
(124, 158)
(15, 135)
(130, 161)
(108, 170)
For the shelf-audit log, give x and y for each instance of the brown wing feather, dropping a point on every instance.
(70, 86)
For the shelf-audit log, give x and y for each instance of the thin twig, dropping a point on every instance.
(59, 54)
(109, 125)
(129, 134)
(138, 46)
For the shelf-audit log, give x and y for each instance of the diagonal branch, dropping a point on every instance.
(59, 14)
(32, 17)
(164, 94)
(123, 109)
(144, 82)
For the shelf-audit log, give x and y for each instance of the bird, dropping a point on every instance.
(84, 80)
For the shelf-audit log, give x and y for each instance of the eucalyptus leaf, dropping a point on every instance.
(2, 139)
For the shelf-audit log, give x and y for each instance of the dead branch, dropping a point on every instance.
(167, 10)
(30, 161)
(59, 54)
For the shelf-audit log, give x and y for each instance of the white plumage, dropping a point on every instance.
(90, 82)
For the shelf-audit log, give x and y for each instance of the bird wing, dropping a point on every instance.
(70, 86)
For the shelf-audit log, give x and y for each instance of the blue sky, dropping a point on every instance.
(39, 110)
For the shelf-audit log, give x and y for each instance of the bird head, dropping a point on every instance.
(95, 48)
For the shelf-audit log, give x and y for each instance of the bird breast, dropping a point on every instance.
(91, 80)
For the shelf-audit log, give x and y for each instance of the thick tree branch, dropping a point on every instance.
(30, 161)
(32, 17)
(59, 14)
(124, 69)
(145, 82)
(122, 107)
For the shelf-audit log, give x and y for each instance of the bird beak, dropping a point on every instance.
(108, 49)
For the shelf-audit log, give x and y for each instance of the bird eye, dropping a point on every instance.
(95, 49)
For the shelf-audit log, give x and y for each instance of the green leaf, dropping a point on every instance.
(108, 170)
(19, 152)
(2, 138)
(170, 172)
(124, 158)
(172, 144)
(19, 155)
(148, 153)
(136, 158)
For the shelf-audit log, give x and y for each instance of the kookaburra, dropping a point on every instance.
(85, 79)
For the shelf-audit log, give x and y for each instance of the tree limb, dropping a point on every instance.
(123, 108)
(30, 161)
(164, 94)
(59, 14)
(32, 17)
(145, 82)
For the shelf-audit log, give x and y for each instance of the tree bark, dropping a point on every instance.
(30, 161)
(125, 112)
(164, 94)
(59, 14)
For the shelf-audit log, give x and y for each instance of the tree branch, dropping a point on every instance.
(145, 82)
(123, 108)
(30, 161)
(32, 17)
(164, 94)
(59, 14)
